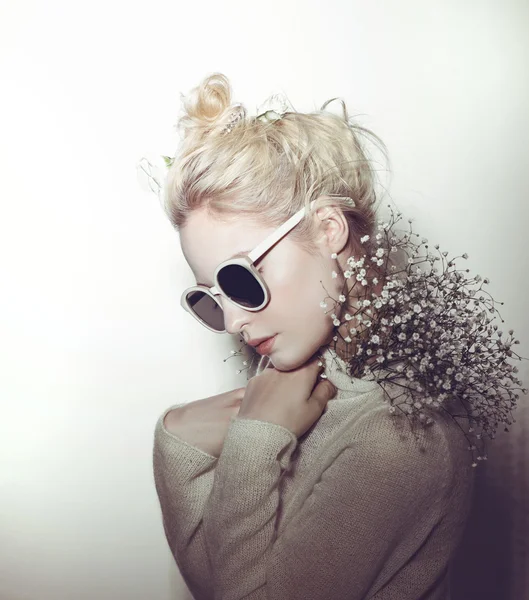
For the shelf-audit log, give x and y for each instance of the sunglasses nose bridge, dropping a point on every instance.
(235, 315)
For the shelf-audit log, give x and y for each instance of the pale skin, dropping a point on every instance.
(293, 277)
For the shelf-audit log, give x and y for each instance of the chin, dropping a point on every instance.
(282, 361)
(292, 364)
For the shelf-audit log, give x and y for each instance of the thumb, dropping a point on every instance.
(324, 391)
(332, 389)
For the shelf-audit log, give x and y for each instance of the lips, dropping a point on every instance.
(258, 341)
(266, 346)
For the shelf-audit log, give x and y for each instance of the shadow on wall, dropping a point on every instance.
(483, 565)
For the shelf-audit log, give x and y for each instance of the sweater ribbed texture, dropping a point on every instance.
(355, 508)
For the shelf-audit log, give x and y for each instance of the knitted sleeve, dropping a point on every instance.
(336, 545)
(183, 476)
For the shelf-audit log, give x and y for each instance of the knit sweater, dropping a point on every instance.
(355, 508)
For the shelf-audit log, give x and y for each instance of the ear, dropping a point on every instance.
(333, 229)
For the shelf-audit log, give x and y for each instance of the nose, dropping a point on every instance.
(235, 317)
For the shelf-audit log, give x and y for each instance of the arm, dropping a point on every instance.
(340, 540)
(183, 476)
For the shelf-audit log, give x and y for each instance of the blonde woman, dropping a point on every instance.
(300, 485)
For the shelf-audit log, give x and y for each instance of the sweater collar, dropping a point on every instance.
(335, 370)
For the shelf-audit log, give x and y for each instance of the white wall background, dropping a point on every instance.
(93, 343)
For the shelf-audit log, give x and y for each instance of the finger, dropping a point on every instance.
(323, 392)
(321, 396)
(332, 388)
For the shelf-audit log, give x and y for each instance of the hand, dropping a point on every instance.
(293, 399)
(204, 423)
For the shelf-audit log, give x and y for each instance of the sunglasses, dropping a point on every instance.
(237, 280)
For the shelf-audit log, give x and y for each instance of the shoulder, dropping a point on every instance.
(387, 442)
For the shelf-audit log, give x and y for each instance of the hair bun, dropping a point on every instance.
(208, 105)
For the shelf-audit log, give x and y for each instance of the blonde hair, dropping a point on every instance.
(268, 170)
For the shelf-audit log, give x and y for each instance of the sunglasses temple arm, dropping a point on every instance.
(265, 245)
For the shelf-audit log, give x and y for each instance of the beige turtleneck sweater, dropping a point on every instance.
(355, 508)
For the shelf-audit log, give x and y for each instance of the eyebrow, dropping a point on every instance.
(236, 255)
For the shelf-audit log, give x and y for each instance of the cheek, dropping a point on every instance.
(295, 313)
(296, 298)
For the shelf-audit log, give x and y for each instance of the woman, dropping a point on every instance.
(292, 488)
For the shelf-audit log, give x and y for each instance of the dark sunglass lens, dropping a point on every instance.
(241, 286)
(207, 309)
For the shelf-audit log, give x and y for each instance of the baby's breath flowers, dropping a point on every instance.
(425, 336)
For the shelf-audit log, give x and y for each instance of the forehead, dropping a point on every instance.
(206, 241)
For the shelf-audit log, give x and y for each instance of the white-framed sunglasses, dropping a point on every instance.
(237, 280)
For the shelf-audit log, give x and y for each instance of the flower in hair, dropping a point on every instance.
(272, 109)
(235, 117)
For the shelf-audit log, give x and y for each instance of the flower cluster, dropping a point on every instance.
(426, 336)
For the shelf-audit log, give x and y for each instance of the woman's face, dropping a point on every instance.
(297, 281)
